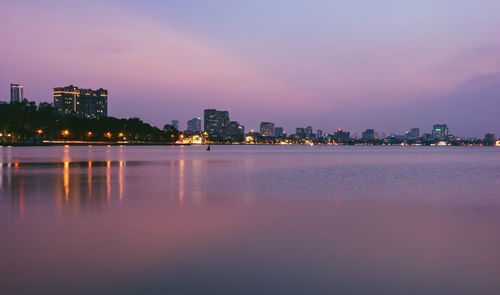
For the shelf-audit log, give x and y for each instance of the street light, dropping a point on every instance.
(65, 133)
(39, 131)
(89, 133)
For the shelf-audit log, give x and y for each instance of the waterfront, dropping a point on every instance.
(249, 219)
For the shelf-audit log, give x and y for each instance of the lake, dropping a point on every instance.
(249, 220)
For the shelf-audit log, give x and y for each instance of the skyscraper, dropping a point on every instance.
(267, 129)
(414, 134)
(440, 131)
(278, 131)
(341, 136)
(236, 130)
(319, 133)
(309, 131)
(216, 122)
(194, 125)
(86, 103)
(369, 134)
(175, 123)
(16, 93)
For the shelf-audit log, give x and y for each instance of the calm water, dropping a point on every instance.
(249, 220)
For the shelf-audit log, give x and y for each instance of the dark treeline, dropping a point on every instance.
(25, 122)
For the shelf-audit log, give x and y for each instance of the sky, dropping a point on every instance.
(383, 64)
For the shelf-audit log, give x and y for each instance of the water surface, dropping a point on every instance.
(249, 220)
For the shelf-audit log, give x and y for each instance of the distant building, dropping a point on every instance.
(278, 131)
(3, 102)
(440, 131)
(267, 129)
(85, 103)
(236, 130)
(216, 122)
(309, 131)
(16, 93)
(369, 134)
(175, 123)
(341, 136)
(319, 133)
(194, 125)
(414, 134)
(300, 132)
(489, 138)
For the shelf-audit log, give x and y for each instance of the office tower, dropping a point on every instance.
(440, 131)
(489, 138)
(369, 134)
(278, 131)
(194, 125)
(16, 93)
(216, 122)
(309, 131)
(86, 103)
(300, 132)
(319, 133)
(236, 130)
(267, 129)
(414, 134)
(341, 136)
(175, 123)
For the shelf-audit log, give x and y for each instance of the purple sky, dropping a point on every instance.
(389, 65)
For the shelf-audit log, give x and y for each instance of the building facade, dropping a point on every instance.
(16, 93)
(85, 103)
(369, 134)
(194, 125)
(278, 132)
(341, 136)
(236, 130)
(440, 131)
(267, 129)
(216, 123)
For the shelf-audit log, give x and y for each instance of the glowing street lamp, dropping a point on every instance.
(108, 134)
(120, 134)
(65, 133)
(89, 133)
(39, 131)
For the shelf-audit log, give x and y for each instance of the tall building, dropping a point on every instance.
(319, 133)
(236, 130)
(86, 103)
(414, 133)
(369, 134)
(267, 129)
(278, 131)
(175, 123)
(440, 131)
(216, 122)
(309, 131)
(194, 125)
(16, 93)
(300, 132)
(341, 136)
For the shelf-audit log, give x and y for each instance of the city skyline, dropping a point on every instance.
(390, 67)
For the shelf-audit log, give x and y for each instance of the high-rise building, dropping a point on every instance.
(319, 133)
(440, 131)
(16, 93)
(216, 122)
(267, 129)
(175, 123)
(236, 130)
(414, 134)
(369, 134)
(194, 125)
(300, 132)
(86, 103)
(278, 131)
(341, 136)
(309, 131)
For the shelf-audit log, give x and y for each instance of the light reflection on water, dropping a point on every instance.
(247, 220)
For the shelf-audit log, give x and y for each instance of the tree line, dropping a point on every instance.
(27, 122)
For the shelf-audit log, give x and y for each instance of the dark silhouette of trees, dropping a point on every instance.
(26, 122)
